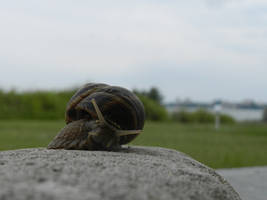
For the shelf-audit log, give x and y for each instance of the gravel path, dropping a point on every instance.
(250, 183)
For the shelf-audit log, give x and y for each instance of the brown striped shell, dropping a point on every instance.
(120, 107)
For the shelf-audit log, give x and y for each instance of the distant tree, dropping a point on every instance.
(152, 100)
(153, 93)
(265, 115)
(154, 111)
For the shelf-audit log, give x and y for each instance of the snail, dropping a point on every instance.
(100, 117)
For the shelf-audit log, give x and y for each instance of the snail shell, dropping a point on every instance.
(100, 117)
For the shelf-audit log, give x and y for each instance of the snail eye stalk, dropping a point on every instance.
(103, 121)
(101, 117)
(128, 132)
(98, 112)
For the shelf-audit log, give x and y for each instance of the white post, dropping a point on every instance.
(217, 108)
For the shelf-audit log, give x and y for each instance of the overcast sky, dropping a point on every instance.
(201, 49)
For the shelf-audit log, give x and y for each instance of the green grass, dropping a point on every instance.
(26, 134)
(232, 146)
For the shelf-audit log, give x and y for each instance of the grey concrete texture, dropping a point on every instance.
(133, 173)
(250, 183)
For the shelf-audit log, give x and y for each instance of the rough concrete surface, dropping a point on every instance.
(250, 182)
(133, 173)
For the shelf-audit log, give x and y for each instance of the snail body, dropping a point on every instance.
(100, 117)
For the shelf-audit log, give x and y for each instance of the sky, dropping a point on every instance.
(197, 49)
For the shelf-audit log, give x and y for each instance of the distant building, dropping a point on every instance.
(244, 111)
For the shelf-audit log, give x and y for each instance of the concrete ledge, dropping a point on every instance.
(250, 182)
(134, 173)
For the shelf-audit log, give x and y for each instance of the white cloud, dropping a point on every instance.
(60, 43)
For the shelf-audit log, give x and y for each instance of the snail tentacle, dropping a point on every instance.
(128, 132)
(117, 131)
(99, 113)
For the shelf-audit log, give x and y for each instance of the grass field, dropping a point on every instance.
(232, 146)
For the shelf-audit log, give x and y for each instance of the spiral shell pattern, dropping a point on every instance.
(120, 107)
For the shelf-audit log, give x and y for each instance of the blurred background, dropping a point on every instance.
(198, 66)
